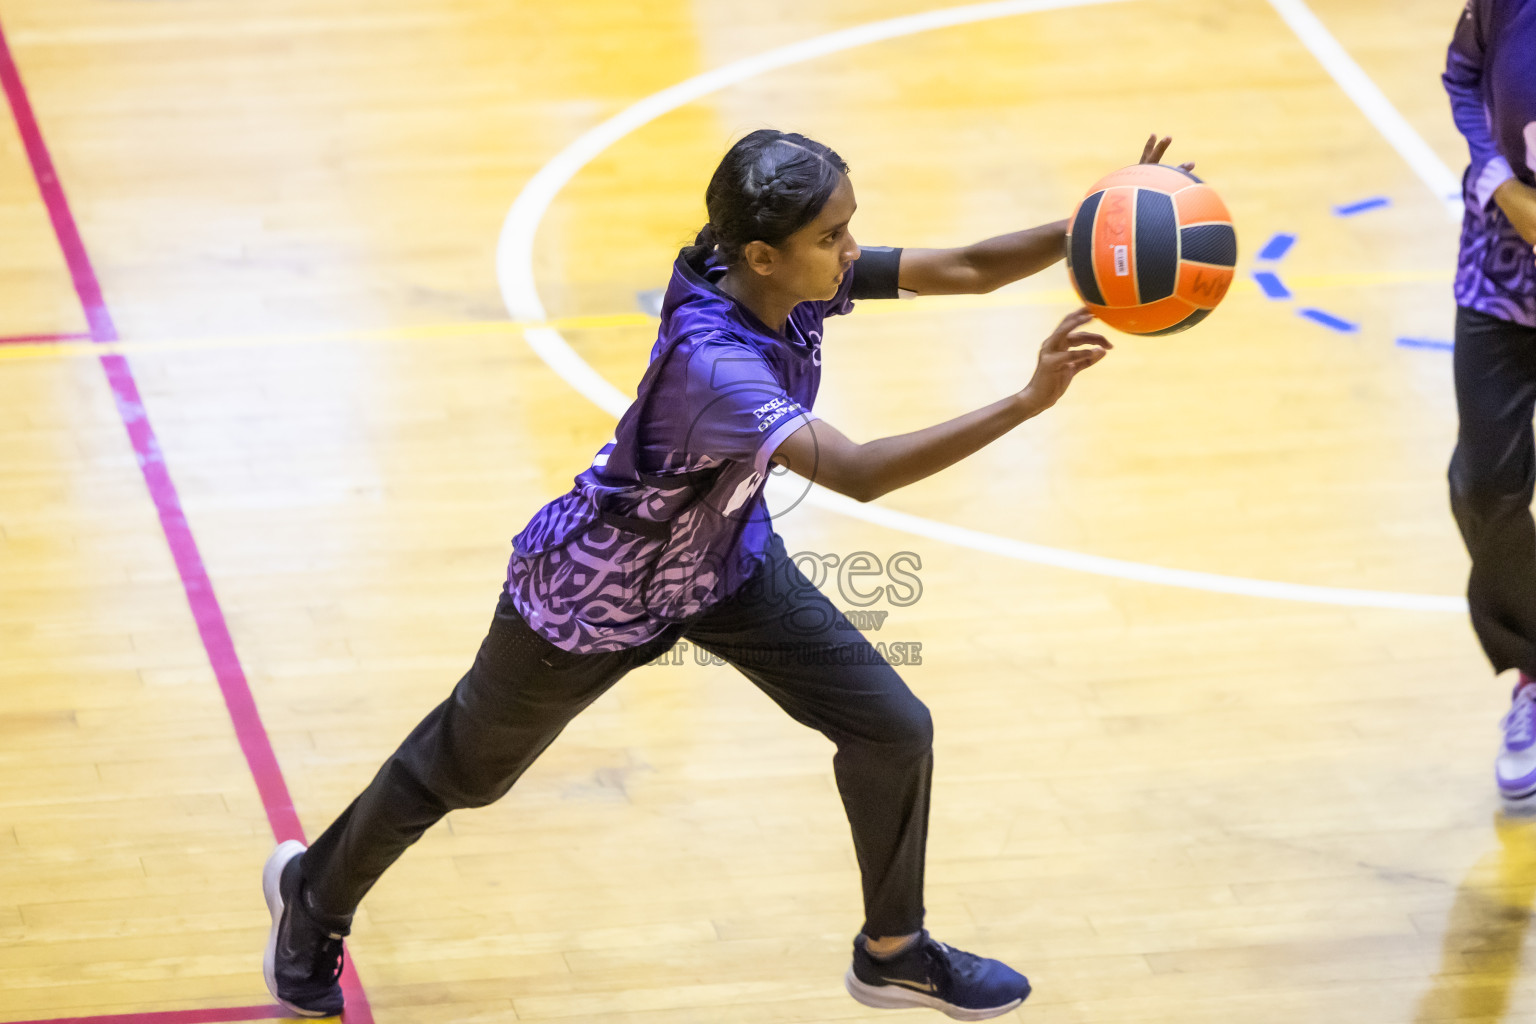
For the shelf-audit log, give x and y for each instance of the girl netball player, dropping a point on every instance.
(666, 536)
(1490, 74)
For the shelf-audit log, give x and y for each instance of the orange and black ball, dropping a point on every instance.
(1151, 249)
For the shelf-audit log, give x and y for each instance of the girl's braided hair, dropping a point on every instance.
(770, 185)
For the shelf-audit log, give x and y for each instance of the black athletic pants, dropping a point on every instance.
(1492, 475)
(777, 629)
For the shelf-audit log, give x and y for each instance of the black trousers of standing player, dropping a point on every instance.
(1492, 477)
(777, 629)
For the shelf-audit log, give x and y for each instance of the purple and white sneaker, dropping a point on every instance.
(1515, 767)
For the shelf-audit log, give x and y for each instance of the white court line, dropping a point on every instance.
(514, 253)
(514, 268)
(547, 343)
(1022, 551)
(1373, 103)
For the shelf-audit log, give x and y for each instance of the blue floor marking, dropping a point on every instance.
(1425, 343)
(1329, 320)
(1273, 287)
(1277, 247)
(1350, 209)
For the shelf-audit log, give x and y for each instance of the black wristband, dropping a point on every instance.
(875, 273)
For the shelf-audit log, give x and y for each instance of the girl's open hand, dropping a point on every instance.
(1067, 352)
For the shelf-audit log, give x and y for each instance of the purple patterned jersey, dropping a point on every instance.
(1490, 74)
(670, 516)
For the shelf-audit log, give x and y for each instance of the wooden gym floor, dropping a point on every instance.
(288, 393)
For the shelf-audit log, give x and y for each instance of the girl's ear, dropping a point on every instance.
(759, 256)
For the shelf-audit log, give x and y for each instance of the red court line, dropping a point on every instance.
(206, 612)
(86, 285)
(20, 339)
(205, 606)
(174, 1017)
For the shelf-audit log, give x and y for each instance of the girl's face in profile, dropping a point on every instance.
(813, 260)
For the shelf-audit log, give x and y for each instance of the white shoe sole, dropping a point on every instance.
(1520, 789)
(271, 876)
(894, 997)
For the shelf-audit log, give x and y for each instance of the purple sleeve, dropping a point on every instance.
(736, 408)
(1463, 81)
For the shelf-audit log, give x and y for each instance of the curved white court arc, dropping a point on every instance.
(514, 267)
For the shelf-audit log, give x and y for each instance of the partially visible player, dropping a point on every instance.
(666, 536)
(1490, 74)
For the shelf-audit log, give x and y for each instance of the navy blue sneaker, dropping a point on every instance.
(929, 973)
(303, 960)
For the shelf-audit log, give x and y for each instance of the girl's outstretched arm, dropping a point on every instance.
(984, 266)
(991, 263)
(821, 453)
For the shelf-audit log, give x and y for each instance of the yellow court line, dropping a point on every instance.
(31, 351)
(1240, 286)
(419, 332)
